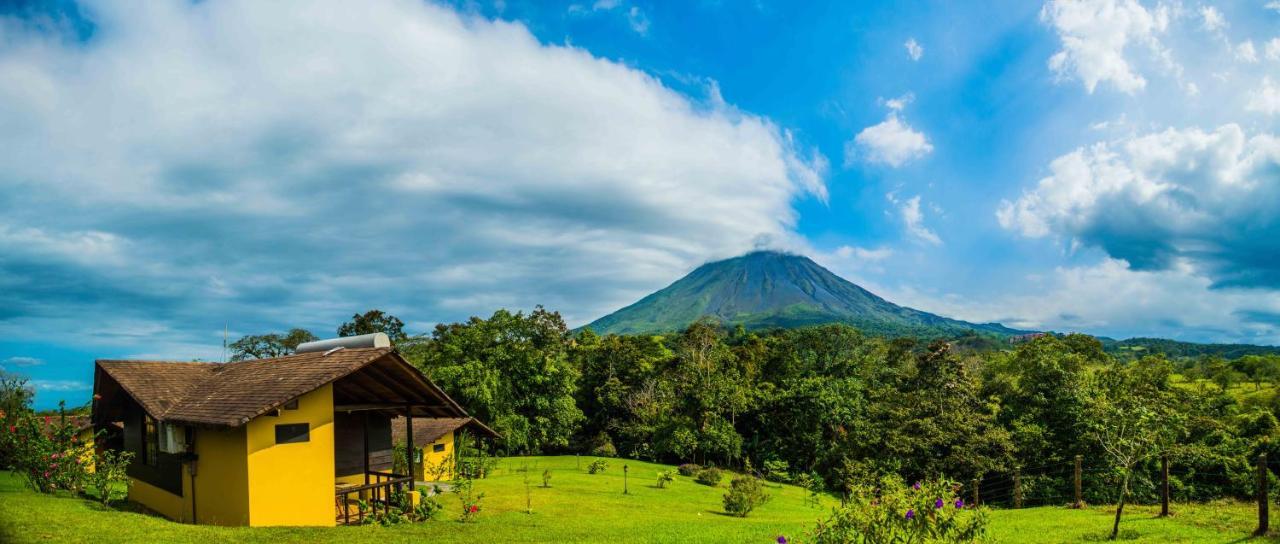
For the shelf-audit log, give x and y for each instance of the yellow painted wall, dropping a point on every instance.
(432, 458)
(293, 484)
(222, 478)
(165, 503)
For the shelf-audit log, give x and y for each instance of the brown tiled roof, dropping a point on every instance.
(158, 385)
(429, 429)
(231, 394)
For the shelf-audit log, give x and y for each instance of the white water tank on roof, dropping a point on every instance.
(375, 340)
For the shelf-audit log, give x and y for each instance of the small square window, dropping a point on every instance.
(293, 433)
(437, 448)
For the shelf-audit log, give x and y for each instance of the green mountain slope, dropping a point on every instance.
(767, 289)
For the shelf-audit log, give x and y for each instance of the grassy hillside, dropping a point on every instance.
(591, 508)
(768, 289)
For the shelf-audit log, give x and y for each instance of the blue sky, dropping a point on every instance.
(174, 169)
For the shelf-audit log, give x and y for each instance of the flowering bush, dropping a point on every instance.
(597, 466)
(47, 452)
(709, 476)
(745, 494)
(894, 512)
(688, 469)
(464, 488)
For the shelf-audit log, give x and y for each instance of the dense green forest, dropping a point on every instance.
(830, 404)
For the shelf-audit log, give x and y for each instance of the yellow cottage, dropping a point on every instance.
(435, 443)
(293, 440)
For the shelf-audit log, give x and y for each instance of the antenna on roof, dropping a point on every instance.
(224, 342)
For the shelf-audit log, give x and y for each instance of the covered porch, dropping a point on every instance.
(365, 403)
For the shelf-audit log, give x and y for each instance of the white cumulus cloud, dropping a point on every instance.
(1265, 99)
(1155, 200)
(913, 220)
(892, 141)
(1095, 36)
(257, 165)
(914, 49)
(1245, 52)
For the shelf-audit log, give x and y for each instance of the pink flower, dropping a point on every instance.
(46, 474)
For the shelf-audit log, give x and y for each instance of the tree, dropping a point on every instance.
(374, 321)
(1131, 418)
(266, 346)
(15, 405)
(511, 370)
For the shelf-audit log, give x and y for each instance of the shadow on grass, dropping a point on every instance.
(1125, 534)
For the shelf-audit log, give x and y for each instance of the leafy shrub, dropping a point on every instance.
(688, 469)
(604, 447)
(108, 472)
(597, 466)
(813, 483)
(709, 476)
(546, 478)
(745, 494)
(665, 477)
(777, 471)
(895, 512)
(428, 506)
(476, 467)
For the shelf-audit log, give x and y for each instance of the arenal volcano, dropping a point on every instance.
(766, 289)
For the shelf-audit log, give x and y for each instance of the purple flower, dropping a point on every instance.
(911, 514)
(916, 487)
(937, 503)
(959, 503)
(782, 539)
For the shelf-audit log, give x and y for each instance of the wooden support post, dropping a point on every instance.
(625, 491)
(1079, 495)
(1164, 485)
(975, 493)
(1017, 487)
(1264, 504)
(409, 447)
(365, 420)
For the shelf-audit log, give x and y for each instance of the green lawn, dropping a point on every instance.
(591, 508)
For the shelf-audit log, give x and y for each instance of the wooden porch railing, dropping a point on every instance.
(377, 493)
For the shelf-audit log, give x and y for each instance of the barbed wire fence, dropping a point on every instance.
(1077, 483)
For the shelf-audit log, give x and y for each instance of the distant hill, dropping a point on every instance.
(1174, 349)
(767, 289)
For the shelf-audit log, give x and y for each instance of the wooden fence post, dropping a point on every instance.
(1264, 504)
(975, 493)
(1079, 496)
(1164, 485)
(1017, 487)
